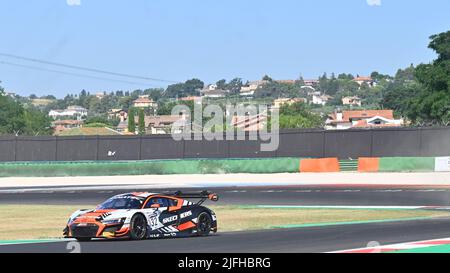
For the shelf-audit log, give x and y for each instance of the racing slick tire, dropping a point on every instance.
(83, 239)
(138, 227)
(204, 224)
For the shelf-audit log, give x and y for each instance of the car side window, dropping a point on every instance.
(162, 202)
(172, 202)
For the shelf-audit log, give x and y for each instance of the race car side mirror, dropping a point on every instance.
(213, 197)
(155, 206)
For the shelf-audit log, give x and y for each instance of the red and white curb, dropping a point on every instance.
(396, 247)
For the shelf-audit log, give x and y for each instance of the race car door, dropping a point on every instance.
(164, 217)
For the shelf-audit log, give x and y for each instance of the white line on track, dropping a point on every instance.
(345, 207)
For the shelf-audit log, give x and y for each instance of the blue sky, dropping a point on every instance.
(210, 39)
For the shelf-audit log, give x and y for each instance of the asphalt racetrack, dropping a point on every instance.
(318, 239)
(307, 239)
(266, 195)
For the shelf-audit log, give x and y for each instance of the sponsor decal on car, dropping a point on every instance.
(170, 219)
(185, 214)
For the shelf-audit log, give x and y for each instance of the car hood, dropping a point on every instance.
(94, 215)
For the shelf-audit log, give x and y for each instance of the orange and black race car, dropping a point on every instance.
(141, 215)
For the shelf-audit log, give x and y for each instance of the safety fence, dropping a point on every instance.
(343, 144)
(223, 166)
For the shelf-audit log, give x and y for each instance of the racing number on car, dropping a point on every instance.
(153, 222)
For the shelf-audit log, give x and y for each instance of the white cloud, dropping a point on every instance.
(73, 2)
(374, 2)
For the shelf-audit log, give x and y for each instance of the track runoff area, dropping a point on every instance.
(298, 213)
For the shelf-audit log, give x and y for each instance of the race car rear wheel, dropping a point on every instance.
(138, 227)
(204, 224)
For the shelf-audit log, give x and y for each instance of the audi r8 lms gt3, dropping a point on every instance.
(141, 215)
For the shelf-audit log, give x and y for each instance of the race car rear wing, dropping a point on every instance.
(198, 195)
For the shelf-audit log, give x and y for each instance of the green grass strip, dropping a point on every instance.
(349, 223)
(430, 249)
(288, 207)
(16, 242)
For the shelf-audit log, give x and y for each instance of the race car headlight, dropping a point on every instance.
(114, 221)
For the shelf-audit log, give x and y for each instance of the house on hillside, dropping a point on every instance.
(320, 99)
(249, 123)
(285, 81)
(71, 112)
(163, 124)
(311, 83)
(62, 125)
(281, 101)
(367, 80)
(119, 113)
(100, 95)
(352, 101)
(144, 102)
(218, 93)
(249, 89)
(191, 98)
(362, 119)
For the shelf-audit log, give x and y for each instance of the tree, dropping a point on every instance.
(297, 115)
(154, 93)
(344, 76)
(141, 122)
(432, 104)
(323, 82)
(375, 75)
(102, 119)
(36, 123)
(131, 124)
(332, 86)
(234, 86)
(267, 78)
(189, 88)
(222, 84)
(398, 98)
(11, 116)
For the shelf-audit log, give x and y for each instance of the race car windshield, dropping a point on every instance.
(122, 202)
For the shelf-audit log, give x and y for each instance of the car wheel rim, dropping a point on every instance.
(139, 227)
(204, 224)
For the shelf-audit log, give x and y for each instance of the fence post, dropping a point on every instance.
(323, 143)
(140, 147)
(420, 141)
(184, 144)
(15, 148)
(56, 148)
(371, 142)
(98, 148)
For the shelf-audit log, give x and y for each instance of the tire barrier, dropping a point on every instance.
(406, 164)
(368, 164)
(320, 165)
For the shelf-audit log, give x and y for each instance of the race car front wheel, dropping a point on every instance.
(204, 224)
(138, 227)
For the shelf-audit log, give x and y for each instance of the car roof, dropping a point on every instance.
(139, 194)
